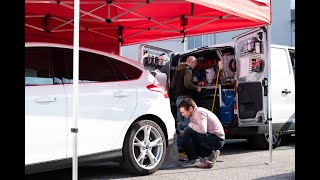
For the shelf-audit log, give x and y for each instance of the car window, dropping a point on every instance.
(51, 65)
(92, 68)
(60, 57)
(126, 69)
(38, 66)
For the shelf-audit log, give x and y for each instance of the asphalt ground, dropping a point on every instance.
(238, 160)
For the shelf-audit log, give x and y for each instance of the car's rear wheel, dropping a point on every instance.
(144, 148)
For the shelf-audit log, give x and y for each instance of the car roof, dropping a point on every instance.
(121, 58)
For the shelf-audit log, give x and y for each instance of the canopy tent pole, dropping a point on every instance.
(151, 19)
(75, 106)
(269, 114)
(33, 27)
(88, 13)
(85, 13)
(128, 11)
(120, 39)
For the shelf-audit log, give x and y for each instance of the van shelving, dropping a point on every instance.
(207, 59)
(245, 72)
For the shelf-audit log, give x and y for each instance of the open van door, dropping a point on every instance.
(149, 56)
(157, 61)
(251, 58)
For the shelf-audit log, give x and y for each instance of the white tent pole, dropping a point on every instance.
(74, 130)
(269, 92)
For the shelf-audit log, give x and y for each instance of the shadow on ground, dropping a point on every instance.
(112, 170)
(108, 170)
(279, 176)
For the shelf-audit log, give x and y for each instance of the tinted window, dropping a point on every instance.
(38, 66)
(92, 68)
(61, 56)
(130, 71)
(51, 65)
(96, 67)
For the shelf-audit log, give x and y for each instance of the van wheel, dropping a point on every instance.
(262, 140)
(144, 148)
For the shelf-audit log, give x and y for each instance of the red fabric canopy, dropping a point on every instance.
(104, 23)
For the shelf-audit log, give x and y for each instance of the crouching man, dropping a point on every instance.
(204, 136)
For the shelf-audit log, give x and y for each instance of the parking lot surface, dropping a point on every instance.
(237, 161)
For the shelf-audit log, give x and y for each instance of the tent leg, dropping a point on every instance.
(120, 40)
(269, 118)
(74, 130)
(185, 45)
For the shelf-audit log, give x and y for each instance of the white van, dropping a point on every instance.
(238, 92)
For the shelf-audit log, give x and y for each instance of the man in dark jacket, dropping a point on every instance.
(184, 87)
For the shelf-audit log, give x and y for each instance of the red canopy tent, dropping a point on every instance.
(107, 25)
(104, 25)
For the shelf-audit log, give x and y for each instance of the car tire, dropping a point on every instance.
(140, 155)
(262, 140)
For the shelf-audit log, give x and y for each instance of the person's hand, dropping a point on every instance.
(199, 89)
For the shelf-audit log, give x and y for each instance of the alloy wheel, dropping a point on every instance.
(147, 147)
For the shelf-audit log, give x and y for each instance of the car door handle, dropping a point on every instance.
(285, 91)
(120, 94)
(46, 99)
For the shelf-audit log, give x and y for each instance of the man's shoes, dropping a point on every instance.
(183, 156)
(190, 163)
(197, 163)
(206, 164)
(213, 156)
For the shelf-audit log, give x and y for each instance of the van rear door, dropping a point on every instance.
(251, 56)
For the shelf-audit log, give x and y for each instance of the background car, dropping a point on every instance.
(124, 113)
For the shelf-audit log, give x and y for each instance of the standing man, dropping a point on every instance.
(204, 136)
(181, 82)
(145, 58)
(165, 68)
(165, 64)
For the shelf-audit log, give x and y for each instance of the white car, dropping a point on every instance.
(124, 113)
